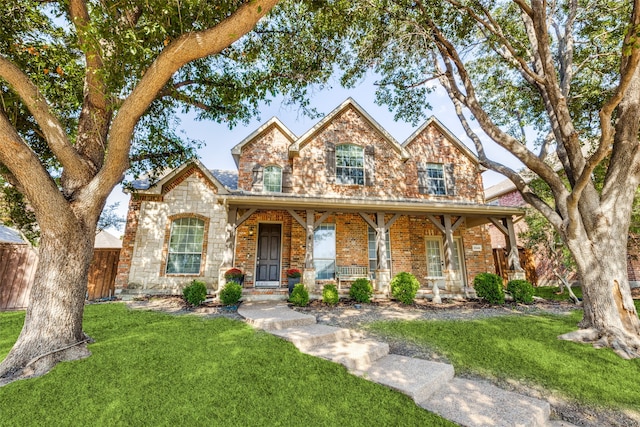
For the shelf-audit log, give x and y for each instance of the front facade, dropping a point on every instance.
(342, 201)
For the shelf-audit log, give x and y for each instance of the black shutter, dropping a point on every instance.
(330, 149)
(450, 179)
(369, 165)
(258, 179)
(287, 180)
(423, 185)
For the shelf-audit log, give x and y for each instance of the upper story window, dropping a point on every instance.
(349, 164)
(431, 179)
(185, 246)
(272, 179)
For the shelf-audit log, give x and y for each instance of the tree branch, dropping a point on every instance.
(52, 130)
(180, 51)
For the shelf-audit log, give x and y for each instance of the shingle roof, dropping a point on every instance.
(9, 235)
(228, 178)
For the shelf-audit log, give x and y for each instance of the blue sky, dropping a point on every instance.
(219, 139)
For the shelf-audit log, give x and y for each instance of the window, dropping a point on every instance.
(431, 179)
(373, 256)
(324, 251)
(272, 179)
(349, 164)
(435, 263)
(185, 246)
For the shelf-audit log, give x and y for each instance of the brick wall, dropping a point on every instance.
(393, 176)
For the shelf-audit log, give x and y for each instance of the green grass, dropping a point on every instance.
(526, 348)
(549, 293)
(161, 370)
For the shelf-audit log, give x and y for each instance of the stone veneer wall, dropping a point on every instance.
(190, 196)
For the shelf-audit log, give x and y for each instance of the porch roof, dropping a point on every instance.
(402, 206)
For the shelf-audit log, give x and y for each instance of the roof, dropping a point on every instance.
(226, 177)
(105, 239)
(143, 185)
(499, 189)
(9, 235)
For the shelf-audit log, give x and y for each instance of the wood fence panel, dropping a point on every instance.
(526, 261)
(18, 266)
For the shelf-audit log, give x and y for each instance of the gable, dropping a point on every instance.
(351, 117)
(273, 126)
(175, 177)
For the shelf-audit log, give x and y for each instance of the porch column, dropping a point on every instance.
(383, 274)
(229, 245)
(449, 272)
(309, 272)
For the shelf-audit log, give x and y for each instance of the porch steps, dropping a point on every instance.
(271, 315)
(357, 355)
(431, 385)
(307, 337)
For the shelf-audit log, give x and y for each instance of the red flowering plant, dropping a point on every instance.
(233, 274)
(293, 273)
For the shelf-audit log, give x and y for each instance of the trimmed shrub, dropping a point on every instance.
(195, 293)
(299, 295)
(488, 286)
(361, 290)
(231, 293)
(330, 294)
(404, 287)
(521, 291)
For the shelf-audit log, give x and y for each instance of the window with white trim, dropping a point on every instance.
(431, 179)
(185, 246)
(324, 251)
(272, 176)
(349, 164)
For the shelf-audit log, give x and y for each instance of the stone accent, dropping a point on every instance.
(192, 196)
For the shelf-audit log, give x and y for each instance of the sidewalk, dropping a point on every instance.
(431, 385)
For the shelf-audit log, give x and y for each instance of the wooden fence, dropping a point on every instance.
(18, 265)
(526, 262)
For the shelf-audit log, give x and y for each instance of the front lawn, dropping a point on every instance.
(525, 348)
(155, 369)
(551, 293)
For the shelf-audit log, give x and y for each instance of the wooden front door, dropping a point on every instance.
(268, 260)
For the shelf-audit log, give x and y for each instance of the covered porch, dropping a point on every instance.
(338, 240)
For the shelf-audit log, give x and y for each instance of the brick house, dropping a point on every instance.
(343, 200)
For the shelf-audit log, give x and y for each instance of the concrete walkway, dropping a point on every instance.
(431, 385)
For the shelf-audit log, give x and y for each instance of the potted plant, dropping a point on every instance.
(234, 275)
(293, 278)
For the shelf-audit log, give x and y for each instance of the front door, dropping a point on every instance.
(268, 260)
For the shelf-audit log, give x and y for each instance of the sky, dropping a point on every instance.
(219, 139)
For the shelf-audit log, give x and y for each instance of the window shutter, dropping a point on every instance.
(258, 179)
(422, 178)
(287, 180)
(450, 179)
(330, 149)
(369, 165)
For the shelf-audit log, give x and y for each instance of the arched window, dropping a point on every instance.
(272, 179)
(185, 246)
(349, 164)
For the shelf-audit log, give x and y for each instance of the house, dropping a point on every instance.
(343, 200)
(505, 194)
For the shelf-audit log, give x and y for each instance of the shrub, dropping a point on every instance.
(404, 287)
(330, 294)
(361, 290)
(521, 291)
(489, 287)
(299, 295)
(231, 293)
(195, 293)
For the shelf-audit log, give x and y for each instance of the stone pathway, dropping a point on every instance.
(431, 385)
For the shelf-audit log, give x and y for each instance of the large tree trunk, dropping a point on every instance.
(52, 330)
(610, 317)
